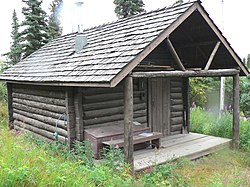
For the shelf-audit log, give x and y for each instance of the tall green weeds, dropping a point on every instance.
(207, 123)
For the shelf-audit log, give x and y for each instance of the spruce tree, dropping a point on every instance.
(54, 22)
(35, 27)
(14, 55)
(126, 8)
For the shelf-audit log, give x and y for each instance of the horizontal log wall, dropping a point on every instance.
(37, 109)
(104, 106)
(176, 97)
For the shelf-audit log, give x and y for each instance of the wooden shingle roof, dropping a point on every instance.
(113, 50)
(110, 48)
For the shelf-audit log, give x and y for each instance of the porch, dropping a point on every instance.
(190, 146)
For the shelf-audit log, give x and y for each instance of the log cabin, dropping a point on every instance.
(121, 79)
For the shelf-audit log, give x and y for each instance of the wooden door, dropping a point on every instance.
(159, 105)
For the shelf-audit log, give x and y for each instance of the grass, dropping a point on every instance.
(224, 168)
(205, 122)
(27, 161)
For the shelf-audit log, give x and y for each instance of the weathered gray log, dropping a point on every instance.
(10, 106)
(40, 125)
(176, 127)
(212, 55)
(53, 101)
(187, 73)
(108, 97)
(36, 110)
(107, 104)
(20, 129)
(176, 120)
(106, 119)
(128, 122)
(175, 132)
(176, 95)
(142, 120)
(95, 91)
(175, 83)
(176, 89)
(111, 111)
(176, 114)
(176, 101)
(177, 108)
(60, 123)
(174, 54)
(70, 111)
(36, 130)
(44, 93)
(78, 113)
(236, 112)
(53, 108)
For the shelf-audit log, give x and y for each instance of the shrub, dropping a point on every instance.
(3, 92)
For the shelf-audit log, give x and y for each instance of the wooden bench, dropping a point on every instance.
(152, 137)
(97, 135)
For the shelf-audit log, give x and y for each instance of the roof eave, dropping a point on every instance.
(64, 84)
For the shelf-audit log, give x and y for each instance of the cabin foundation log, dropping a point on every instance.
(128, 122)
(10, 106)
(70, 111)
(236, 112)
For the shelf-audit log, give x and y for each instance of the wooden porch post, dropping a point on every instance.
(236, 111)
(70, 111)
(10, 106)
(128, 122)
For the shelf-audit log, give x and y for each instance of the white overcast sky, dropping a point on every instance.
(234, 23)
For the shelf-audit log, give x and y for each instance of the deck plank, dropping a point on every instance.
(191, 146)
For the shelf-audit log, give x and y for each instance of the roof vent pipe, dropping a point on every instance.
(80, 42)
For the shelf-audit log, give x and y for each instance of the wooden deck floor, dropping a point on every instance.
(190, 145)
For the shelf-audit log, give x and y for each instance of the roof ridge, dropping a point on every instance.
(133, 16)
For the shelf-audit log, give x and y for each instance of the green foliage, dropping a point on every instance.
(3, 92)
(126, 8)
(54, 23)
(245, 96)
(14, 55)
(83, 153)
(206, 123)
(199, 89)
(35, 27)
(248, 61)
(164, 175)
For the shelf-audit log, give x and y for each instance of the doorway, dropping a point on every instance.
(159, 105)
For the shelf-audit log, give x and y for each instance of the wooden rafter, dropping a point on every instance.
(212, 55)
(174, 54)
(153, 45)
(222, 39)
